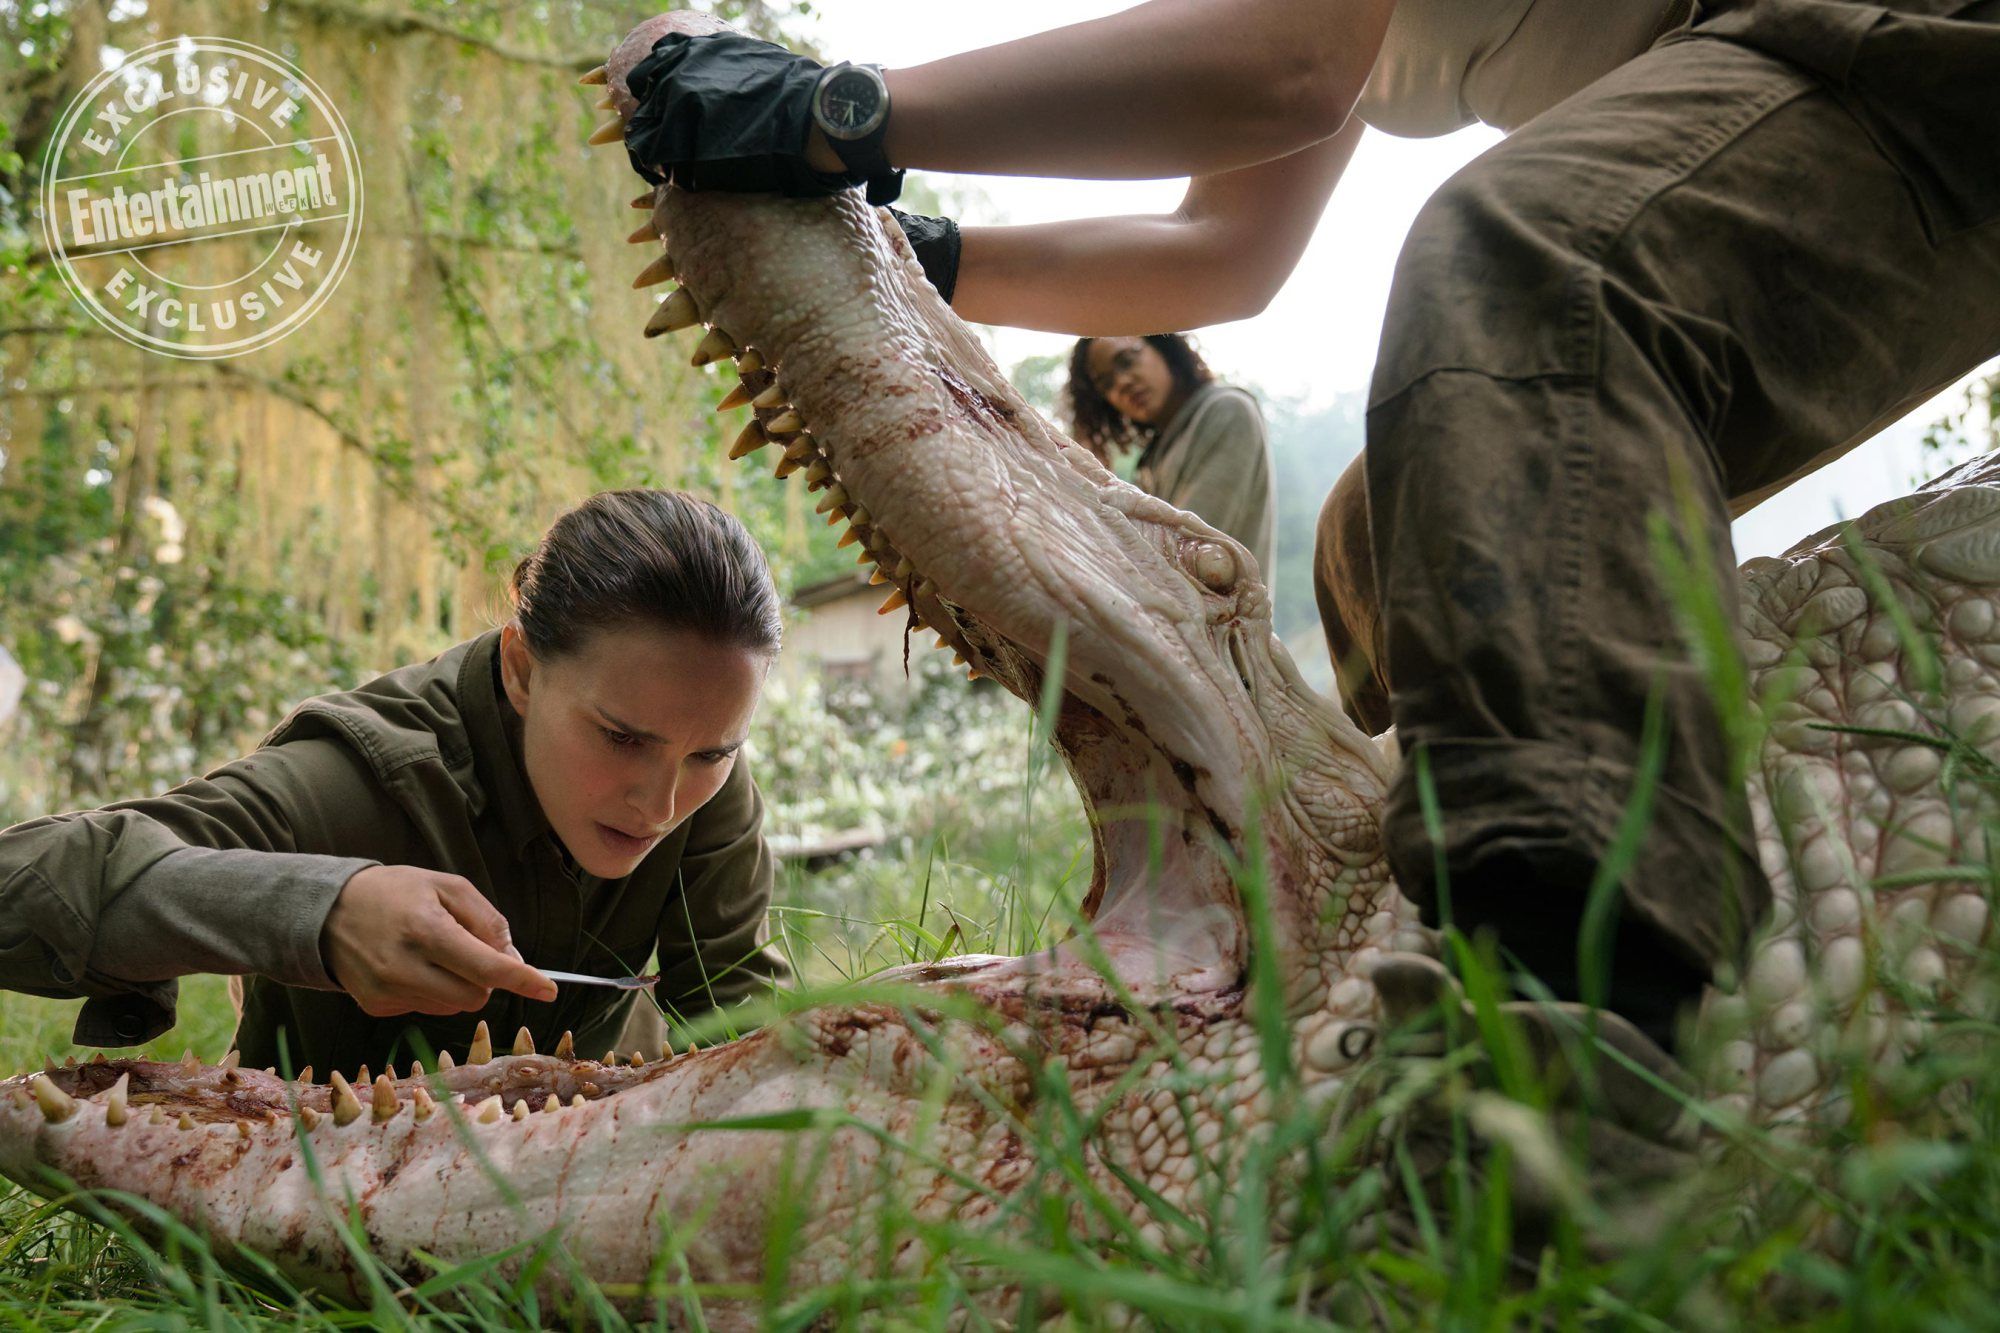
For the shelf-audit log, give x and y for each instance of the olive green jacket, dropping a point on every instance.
(235, 873)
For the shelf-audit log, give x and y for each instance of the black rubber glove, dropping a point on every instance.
(726, 112)
(936, 242)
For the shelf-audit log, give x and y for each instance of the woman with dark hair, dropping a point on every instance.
(1201, 442)
(565, 792)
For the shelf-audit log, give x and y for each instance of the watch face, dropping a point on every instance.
(850, 104)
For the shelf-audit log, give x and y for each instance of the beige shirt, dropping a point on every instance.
(1447, 63)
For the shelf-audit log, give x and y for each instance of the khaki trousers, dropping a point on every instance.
(1707, 274)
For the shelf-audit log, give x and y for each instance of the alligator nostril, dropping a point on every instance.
(1214, 566)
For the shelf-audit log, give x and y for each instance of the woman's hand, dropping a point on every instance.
(715, 109)
(402, 939)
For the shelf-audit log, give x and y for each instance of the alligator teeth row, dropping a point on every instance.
(776, 421)
(58, 1106)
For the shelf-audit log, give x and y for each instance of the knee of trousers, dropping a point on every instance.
(1491, 281)
(1340, 539)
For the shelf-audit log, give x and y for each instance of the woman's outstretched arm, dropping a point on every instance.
(1221, 256)
(1167, 88)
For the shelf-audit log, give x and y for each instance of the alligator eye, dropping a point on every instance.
(1214, 566)
(1357, 1041)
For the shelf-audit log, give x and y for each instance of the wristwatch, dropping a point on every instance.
(850, 105)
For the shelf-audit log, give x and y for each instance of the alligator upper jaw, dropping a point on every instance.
(1003, 536)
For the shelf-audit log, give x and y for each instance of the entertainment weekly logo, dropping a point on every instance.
(202, 199)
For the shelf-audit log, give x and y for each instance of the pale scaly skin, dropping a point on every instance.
(1177, 698)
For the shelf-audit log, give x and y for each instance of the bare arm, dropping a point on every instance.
(1168, 88)
(1221, 256)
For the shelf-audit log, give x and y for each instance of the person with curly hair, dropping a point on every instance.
(1201, 442)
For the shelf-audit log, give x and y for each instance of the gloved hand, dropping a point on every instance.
(936, 243)
(722, 111)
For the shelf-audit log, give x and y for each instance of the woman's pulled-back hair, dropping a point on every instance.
(1102, 428)
(660, 558)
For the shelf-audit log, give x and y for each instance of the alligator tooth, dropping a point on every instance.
(597, 77)
(714, 347)
(577, 1099)
(416, 1069)
(655, 273)
(157, 1116)
(306, 1074)
(489, 1111)
(771, 397)
(272, 1070)
(186, 1121)
(307, 1117)
(818, 475)
(524, 1042)
(877, 576)
(385, 1103)
(785, 423)
(362, 1078)
(189, 1065)
(566, 1047)
(638, 1060)
(346, 1106)
(444, 1061)
(421, 1103)
(735, 398)
(749, 442)
(904, 569)
(892, 602)
(643, 234)
(611, 131)
(99, 1059)
(692, 1047)
(836, 495)
(801, 448)
(230, 1061)
(610, 1058)
(957, 658)
(115, 1102)
(57, 1105)
(69, 1061)
(750, 362)
(666, 1048)
(482, 1045)
(848, 538)
(786, 467)
(554, 1103)
(521, 1109)
(646, 200)
(591, 1089)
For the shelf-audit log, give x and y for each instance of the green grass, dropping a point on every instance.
(1888, 1220)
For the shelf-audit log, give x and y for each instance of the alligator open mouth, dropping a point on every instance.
(1024, 555)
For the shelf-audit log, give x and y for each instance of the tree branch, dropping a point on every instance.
(341, 14)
